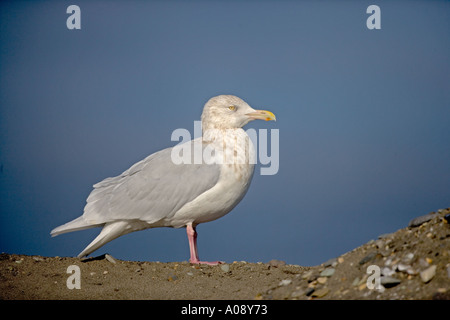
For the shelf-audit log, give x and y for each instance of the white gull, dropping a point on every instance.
(159, 192)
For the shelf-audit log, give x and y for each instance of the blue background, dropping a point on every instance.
(363, 117)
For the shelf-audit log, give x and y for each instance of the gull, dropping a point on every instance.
(164, 191)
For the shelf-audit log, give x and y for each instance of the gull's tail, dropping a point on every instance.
(110, 231)
(75, 225)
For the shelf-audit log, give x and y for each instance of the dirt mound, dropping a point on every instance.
(411, 263)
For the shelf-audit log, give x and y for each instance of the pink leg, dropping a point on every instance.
(192, 237)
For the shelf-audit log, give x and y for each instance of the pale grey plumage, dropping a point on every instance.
(152, 190)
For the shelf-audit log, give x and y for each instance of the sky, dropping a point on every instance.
(362, 115)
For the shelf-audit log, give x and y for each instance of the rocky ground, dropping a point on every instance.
(411, 263)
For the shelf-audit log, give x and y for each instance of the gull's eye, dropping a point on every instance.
(232, 108)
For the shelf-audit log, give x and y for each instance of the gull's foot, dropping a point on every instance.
(209, 263)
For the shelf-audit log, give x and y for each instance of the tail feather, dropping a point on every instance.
(110, 231)
(75, 225)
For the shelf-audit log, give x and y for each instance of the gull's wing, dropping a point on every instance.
(151, 190)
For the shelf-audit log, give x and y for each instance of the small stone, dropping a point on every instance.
(402, 267)
(190, 274)
(368, 258)
(320, 293)
(385, 235)
(105, 272)
(285, 282)
(422, 219)
(389, 282)
(363, 280)
(355, 282)
(428, 274)
(297, 294)
(327, 272)
(379, 243)
(307, 275)
(408, 257)
(322, 280)
(411, 271)
(340, 260)
(309, 291)
(406, 268)
(330, 262)
(387, 271)
(380, 289)
(362, 286)
(225, 267)
(38, 259)
(276, 263)
(172, 278)
(259, 296)
(110, 258)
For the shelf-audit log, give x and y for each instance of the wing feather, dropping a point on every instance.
(150, 190)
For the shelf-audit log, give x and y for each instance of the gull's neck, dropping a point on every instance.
(213, 133)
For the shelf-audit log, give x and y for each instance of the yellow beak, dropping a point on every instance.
(262, 115)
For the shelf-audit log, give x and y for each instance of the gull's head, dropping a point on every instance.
(229, 112)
